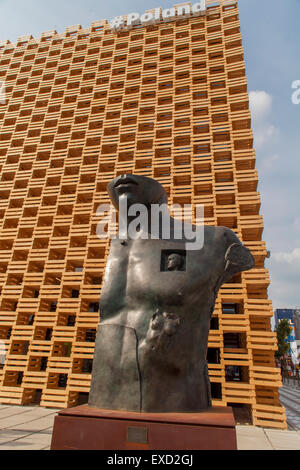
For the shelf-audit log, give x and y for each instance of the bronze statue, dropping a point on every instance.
(156, 305)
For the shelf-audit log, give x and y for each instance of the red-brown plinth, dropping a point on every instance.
(86, 428)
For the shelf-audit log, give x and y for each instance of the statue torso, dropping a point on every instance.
(161, 315)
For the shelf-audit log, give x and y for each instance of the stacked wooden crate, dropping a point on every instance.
(168, 101)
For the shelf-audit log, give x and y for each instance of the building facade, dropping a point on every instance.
(296, 321)
(167, 100)
(293, 315)
(284, 313)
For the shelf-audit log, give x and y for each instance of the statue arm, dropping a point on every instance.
(238, 257)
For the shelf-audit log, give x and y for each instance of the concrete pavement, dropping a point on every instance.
(30, 428)
(254, 438)
(26, 428)
(290, 399)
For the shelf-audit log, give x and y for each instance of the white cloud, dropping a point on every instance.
(260, 104)
(268, 163)
(296, 223)
(261, 107)
(287, 257)
(285, 274)
(263, 133)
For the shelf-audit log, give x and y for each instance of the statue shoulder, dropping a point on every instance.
(222, 236)
(237, 257)
(227, 235)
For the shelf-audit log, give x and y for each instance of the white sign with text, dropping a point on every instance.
(156, 15)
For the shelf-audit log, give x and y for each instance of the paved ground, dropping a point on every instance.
(290, 399)
(30, 428)
(25, 428)
(253, 438)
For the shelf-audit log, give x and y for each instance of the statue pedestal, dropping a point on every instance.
(87, 428)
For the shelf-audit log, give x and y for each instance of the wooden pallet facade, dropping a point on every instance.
(168, 101)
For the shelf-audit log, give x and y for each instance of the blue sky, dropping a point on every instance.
(271, 38)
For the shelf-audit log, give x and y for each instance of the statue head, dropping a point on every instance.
(175, 262)
(137, 189)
